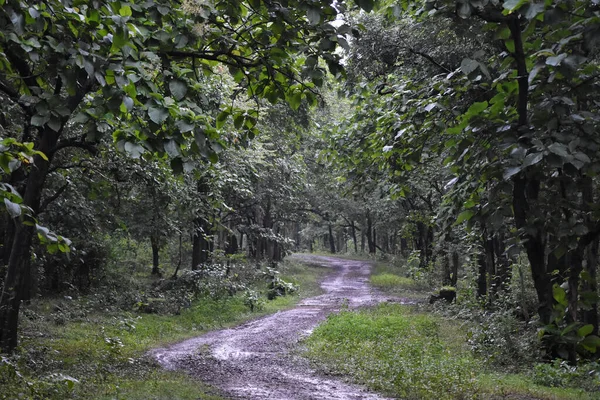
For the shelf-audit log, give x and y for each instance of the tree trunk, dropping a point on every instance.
(18, 272)
(362, 241)
(490, 263)
(503, 271)
(331, 240)
(446, 268)
(532, 238)
(370, 234)
(482, 275)
(232, 244)
(404, 247)
(154, 241)
(455, 262)
(200, 243)
(590, 285)
(353, 230)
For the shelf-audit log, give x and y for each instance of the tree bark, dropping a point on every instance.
(331, 240)
(369, 234)
(590, 285)
(18, 272)
(455, 264)
(154, 241)
(200, 243)
(353, 230)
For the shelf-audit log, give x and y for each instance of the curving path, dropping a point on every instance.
(256, 360)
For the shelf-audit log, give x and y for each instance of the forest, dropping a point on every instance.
(172, 168)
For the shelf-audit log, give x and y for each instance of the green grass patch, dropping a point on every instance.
(392, 280)
(101, 354)
(395, 350)
(389, 281)
(391, 350)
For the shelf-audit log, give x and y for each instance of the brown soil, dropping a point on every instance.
(257, 360)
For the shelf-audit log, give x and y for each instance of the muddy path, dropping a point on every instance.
(257, 360)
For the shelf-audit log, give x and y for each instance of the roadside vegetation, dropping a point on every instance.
(159, 160)
(442, 350)
(94, 345)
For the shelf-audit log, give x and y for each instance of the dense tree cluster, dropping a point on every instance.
(441, 131)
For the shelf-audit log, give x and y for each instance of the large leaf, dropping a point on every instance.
(178, 89)
(366, 5)
(511, 5)
(14, 210)
(158, 115)
(172, 148)
(464, 216)
(314, 16)
(468, 65)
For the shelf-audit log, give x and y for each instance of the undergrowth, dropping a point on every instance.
(94, 346)
(402, 352)
(391, 350)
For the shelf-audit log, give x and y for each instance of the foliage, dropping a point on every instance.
(387, 280)
(393, 351)
(560, 374)
(277, 286)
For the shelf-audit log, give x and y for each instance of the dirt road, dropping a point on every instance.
(257, 360)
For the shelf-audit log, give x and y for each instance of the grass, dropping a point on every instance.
(402, 352)
(392, 281)
(393, 351)
(101, 355)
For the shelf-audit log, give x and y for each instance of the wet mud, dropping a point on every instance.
(258, 360)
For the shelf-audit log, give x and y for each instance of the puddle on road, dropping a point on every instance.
(256, 360)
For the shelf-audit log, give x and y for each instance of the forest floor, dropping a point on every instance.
(371, 336)
(259, 359)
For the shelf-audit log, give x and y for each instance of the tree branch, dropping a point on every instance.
(430, 59)
(75, 142)
(50, 199)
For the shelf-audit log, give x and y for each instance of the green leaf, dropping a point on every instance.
(534, 9)
(134, 150)
(509, 172)
(158, 115)
(54, 124)
(464, 10)
(184, 126)
(591, 343)
(559, 149)
(585, 330)
(178, 89)
(39, 120)
(366, 5)
(172, 148)
(532, 159)
(556, 60)
(314, 16)
(559, 294)
(477, 108)
(222, 118)
(119, 40)
(464, 216)
(295, 100)
(128, 103)
(511, 5)
(125, 11)
(14, 210)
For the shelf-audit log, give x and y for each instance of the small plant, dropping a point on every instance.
(253, 300)
(559, 373)
(277, 286)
